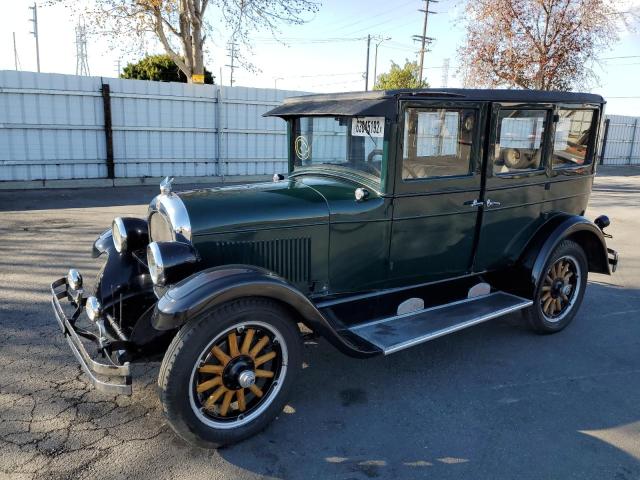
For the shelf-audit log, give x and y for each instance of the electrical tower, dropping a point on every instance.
(232, 56)
(423, 39)
(82, 58)
(445, 72)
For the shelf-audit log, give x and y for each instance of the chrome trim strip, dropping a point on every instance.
(376, 293)
(173, 209)
(455, 328)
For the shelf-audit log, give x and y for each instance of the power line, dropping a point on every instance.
(349, 23)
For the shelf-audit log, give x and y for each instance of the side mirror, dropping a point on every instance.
(602, 222)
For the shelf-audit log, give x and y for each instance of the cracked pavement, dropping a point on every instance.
(494, 401)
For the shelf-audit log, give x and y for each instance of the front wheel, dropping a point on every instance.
(560, 291)
(227, 374)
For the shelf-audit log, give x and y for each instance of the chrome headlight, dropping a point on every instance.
(170, 262)
(129, 233)
(119, 233)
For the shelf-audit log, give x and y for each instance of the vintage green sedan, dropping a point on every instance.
(405, 215)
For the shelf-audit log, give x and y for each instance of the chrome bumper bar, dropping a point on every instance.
(120, 374)
(613, 259)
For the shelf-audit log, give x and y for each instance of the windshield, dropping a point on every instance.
(351, 143)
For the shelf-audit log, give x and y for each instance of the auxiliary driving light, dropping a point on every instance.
(93, 308)
(74, 279)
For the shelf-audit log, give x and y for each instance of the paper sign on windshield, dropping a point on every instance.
(365, 126)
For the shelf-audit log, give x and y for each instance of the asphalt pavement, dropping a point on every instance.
(494, 401)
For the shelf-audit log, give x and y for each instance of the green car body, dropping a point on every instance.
(452, 200)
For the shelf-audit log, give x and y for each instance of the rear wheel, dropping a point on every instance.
(227, 374)
(560, 291)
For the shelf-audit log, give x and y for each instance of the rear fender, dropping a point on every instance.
(208, 288)
(558, 229)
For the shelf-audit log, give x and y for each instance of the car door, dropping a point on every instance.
(516, 180)
(437, 188)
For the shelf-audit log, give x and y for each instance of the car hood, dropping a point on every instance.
(257, 206)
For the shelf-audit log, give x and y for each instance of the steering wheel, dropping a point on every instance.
(373, 153)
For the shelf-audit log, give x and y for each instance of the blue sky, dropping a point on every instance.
(326, 54)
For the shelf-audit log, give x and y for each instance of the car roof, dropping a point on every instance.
(384, 102)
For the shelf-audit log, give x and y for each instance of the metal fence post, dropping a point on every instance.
(633, 140)
(108, 131)
(605, 136)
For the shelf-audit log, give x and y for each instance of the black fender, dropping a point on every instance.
(207, 288)
(565, 227)
(123, 284)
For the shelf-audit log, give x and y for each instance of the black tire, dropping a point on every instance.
(176, 379)
(539, 319)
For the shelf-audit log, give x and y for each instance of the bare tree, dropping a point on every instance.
(182, 26)
(537, 44)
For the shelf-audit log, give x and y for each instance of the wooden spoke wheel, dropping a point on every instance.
(560, 288)
(238, 374)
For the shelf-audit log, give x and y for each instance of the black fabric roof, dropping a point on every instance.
(383, 102)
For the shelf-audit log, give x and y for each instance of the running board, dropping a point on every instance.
(403, 331)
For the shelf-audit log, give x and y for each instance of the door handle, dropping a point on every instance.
(474, 203)
(491, 203)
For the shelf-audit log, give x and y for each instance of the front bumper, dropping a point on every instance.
(107, 377)
(613, 259)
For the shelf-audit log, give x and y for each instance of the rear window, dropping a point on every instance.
(519, 141)
(573, 137)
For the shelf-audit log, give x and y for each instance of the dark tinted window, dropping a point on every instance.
(519, 141)
(437, 142)
(573, 134)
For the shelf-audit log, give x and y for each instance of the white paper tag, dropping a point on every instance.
(365, 126)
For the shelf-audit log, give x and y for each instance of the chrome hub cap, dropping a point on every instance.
(246, 379)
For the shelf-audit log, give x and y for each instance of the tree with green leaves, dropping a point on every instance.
(159, 68)
(400, 77)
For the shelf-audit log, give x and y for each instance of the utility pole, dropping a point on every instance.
(375, 62)
(445, 72)
(366, 77)
(423, 38)
(34, 19)
(232, 55)
(117, 65)
(15, 51)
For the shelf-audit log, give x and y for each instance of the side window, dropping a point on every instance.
(437, 142)
(573, 135)
(519, 141)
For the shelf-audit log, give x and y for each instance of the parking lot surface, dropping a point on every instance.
(493, 401)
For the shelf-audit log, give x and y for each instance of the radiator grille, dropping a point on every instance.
(289, 257)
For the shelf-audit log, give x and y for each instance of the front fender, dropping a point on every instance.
(205, 289)
(123, 284)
